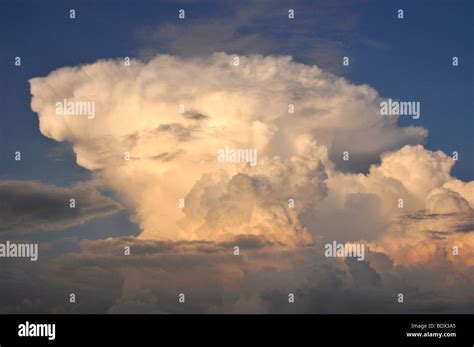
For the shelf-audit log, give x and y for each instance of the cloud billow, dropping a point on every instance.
(244, 106)
(405, 206)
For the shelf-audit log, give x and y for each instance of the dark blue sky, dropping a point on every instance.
(407, 59)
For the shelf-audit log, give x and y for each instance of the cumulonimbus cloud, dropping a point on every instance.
(407, 209)
(222, 105)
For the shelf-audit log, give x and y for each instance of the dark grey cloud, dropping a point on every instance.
(30, 205)
(214, 280)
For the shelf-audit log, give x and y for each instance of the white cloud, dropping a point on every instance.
(243, 106)
(407, 209)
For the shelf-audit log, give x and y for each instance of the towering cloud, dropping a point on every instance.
(172, 115)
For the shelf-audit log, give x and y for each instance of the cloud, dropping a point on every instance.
(247, 27)
(464, 189)
(214, 280)
(29, 205)
(444, 200)
(404, 206)
(417, 169)
(245, 106)
(256, 202)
